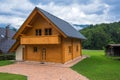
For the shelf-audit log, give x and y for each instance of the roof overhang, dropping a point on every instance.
(34, 12)
(114, 45)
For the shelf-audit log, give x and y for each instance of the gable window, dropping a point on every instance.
(77, 48)
(35, 49)
(48, 31)
(38, 32)
(70, 49)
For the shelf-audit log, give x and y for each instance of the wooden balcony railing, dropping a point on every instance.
(40, 39)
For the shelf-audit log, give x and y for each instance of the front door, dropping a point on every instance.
(43, 54)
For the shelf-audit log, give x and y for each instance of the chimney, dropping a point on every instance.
(7, 31)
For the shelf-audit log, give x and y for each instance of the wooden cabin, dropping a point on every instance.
(45, 37)
(113, 50)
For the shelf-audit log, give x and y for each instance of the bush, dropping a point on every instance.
(7, 57)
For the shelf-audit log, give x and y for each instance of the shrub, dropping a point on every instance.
(7, 57)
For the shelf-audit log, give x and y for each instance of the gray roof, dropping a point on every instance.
(64, 26)
(6, 43)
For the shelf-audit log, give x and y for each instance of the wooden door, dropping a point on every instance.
(43, 55)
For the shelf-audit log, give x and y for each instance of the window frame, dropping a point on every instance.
(38, 32)
(35, 49)
(48, 31)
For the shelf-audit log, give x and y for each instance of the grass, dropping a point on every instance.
(7, 76)
(5, 62)
(98, 66)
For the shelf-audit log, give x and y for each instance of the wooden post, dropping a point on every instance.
(72, 49)
(62, 51)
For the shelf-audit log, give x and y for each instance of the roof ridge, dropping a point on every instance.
(63, 25)
(53, 15)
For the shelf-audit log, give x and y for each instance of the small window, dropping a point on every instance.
(38, 32)
(48, 31)
(70, 49)
(35, 49)
(77, 48)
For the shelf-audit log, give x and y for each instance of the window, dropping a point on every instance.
(48, 31)
(70, 49)
(77, 48)
(35, 49)
(38, 32)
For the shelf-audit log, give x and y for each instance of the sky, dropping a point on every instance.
(15, 12)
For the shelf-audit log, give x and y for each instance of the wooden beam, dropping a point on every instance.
(33, 13)
(51, 23)
(80, 48)
(62, 50)
(21, 34)
(29, 26)
(14, 47)
(72, 42)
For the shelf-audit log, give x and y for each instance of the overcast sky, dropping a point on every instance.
(15, 12)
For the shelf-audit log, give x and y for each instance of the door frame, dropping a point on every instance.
(43, 55)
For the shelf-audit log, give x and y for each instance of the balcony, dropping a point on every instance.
(40, 39)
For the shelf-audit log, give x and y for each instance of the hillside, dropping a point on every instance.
(98, 36)
(80, 26)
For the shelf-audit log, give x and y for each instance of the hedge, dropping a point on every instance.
(7, 57)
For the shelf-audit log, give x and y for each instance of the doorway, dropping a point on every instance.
(43, 55)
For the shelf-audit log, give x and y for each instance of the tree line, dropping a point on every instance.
(99, 35)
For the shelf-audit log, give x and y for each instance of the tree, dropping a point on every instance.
(98, 36)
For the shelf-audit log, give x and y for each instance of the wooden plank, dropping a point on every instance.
(25, 23)
(14, 47)
(62, 50)
(40, 40)
(72, 42)
(51, 23)
(29, 26)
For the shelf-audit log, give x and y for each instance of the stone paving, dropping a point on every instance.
(37, 71)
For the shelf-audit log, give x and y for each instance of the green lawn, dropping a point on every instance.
(7, 76)
(5, 62)
(98, 66)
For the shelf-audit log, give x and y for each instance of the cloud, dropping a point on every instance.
(80, 13)
(11, 5)
(75, 11)
(14, 21)
(16, 11)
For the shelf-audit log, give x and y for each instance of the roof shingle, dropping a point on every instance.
(6, 43)
(64, 26)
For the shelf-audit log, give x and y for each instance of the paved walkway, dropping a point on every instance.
(67, 64)
(35, 71)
